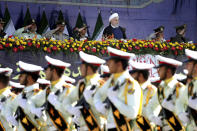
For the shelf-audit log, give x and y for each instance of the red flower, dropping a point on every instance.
(49, 50)
(21, 47)
(54, 48)
(88, 48)
(176, 52)
(137, 47)
(71, 50)
(94, 49)
(103, 51)
(180, 48)
(29, 44)
(156, 48)
(10, 36)
(130, 48)
(37, 46)
(79, 49)
(167, 40)
(173, 48)
(145, 46)
(150, 45)
(134, 39)
(62, 46)
(15, 49)
(7, 45)
(1, 47)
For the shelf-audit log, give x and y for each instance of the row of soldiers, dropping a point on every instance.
(112, 31)
(117, 99)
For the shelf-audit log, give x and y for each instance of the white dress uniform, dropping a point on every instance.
(28, 35)
(126, 99)
(59, 90)
(148, 89)
(175, 97)
(84, 88)
(192, 92)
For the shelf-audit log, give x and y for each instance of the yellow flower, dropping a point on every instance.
(68, 45)
(45, 48)
(193, 47)
(10, 45)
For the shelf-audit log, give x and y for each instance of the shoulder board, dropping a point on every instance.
(101, 82)
(36, 91)
(66, 86)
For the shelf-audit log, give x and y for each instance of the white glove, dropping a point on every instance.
(157, 120)
(76, 119)
(184, 117)
(12, 120)
(101, 107)
(88, 94)
(168, 105)
(111, 93)
(74, 110)
(22, 102)
(37, 111)
(193, 103)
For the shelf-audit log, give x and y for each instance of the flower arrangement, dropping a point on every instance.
(94, 47)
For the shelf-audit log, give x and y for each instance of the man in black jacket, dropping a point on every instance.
(180, 37)
(114, 30)
(2, 33)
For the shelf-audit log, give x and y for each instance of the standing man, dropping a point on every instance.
(141, 74)
(171, 97)
(84, 92)
(180, 34)
(2, 33)
(120, 98)
(192, 88)
(29, 31)
(158, 34)
(114, 30)
(58, 32)
(80, 32)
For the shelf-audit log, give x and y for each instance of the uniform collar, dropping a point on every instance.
(114, 26)
(117, 75)
(31, 88)
(87, 78)
(145, 84)
(53, 83)
(168, 80)
(2, 90)
(195, 78)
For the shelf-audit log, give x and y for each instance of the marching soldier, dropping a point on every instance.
(142, 76)
(105, 74)
(2, 33)
(58, 32)
(120, 98)
(29, 31)
(5, 74)
(26, 109)
(114, 30)
(171, 98)
(43, 84)
(192, 89)
(85, 115)
(58, 91)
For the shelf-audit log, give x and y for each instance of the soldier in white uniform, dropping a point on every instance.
(171, 97)
(192, 89)
(58, 91)
(29, 31)
(85, 115)
(26, 110)
(142, 76)
(120, 98)
(4, 94)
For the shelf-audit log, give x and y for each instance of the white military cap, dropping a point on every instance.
(118, 53)
(6, 71)
(104, 69)
(16, 85)
(91, 59)
(167, 61)
(26, 67)
(57, 63)
(141, 66)
(68, 79)
(114, 15)
(43, 81)
(192, 55)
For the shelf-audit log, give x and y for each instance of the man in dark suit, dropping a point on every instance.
(114, 30)
(180, 37)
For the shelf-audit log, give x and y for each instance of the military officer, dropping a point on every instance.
(83, 94)
(58, 32)
(29, 31)
(114, 30)
(2, 33)
(80, 32)
(120, 98)
(158, 34)
(180, 37)
(191, 66)
(171, 97)
(142, 76)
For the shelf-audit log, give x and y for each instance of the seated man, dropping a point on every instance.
(118, 31)
(29, 31)
(2, 33)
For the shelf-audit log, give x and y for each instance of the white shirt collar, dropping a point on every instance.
(31, 88)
